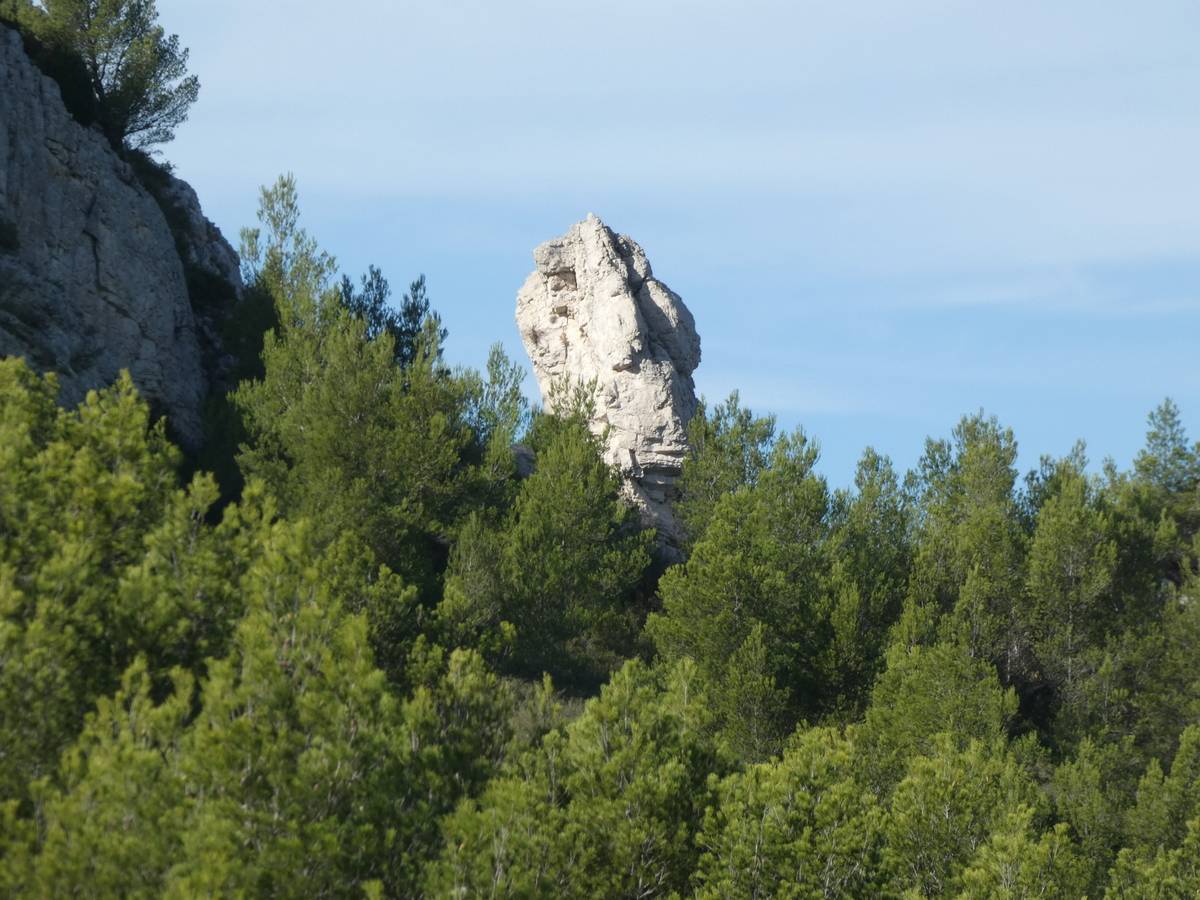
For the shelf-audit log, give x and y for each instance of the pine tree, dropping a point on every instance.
(113, 828)
(969, 563)
(1165, 804)
(926, 692)
(607, 807)
(870, 557)
(138, 71)
(947, 807)
(1167, 462)
(800, 826)
(1172, 874)
(1092, 791)
(561, 567)
(1017, 862)
(1071, 566)
(295, 770)
(79, 494)
(337, 431)
(414, 328)
(760, 564)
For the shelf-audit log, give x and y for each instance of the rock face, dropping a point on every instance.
(200, 242)
(213, 274)
(91, 275)
(592, 311)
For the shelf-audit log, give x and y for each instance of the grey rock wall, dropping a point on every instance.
(91, 279)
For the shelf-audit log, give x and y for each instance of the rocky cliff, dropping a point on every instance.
(593, 312)
(93, 278)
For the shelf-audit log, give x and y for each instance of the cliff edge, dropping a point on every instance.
(93, 278)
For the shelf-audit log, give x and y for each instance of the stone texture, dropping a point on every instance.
(200, 242)
(213, 274)
(91, 279)
(592, 311)
(524, 459)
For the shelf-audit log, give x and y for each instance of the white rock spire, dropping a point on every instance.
(592, 310)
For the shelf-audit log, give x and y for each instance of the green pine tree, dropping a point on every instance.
(801, 826)
(609, 806)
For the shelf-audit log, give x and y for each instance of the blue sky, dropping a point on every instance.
(883, 215)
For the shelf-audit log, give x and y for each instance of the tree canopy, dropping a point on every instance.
(389, 662)
(138, 72)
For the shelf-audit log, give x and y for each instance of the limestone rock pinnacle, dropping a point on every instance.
(592, 311)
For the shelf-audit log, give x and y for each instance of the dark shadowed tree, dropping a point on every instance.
(414, 327)
(138, 71)
(561, 567)
(749, 607)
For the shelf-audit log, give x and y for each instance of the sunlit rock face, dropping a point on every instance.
(93, 278)
(592, 312)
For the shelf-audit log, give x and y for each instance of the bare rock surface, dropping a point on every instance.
(213, 274)
(200, 242)
(91, 275)
(592, 312)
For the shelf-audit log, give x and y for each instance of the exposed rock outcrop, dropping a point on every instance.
(592, 311)
(91, 275)
(200, 242)
(212, 271)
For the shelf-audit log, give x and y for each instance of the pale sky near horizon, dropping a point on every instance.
(882, 215)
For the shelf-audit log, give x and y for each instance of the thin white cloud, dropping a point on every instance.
(811, 177)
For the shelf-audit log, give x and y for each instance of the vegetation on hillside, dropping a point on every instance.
(373, 661)
(390, 667)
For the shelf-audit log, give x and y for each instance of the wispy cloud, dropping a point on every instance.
(1067, 290)
(881, 214)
